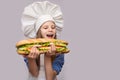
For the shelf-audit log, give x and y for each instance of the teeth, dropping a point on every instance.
(50, 35)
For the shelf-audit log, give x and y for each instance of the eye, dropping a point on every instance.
(53, 27)
(45, 27)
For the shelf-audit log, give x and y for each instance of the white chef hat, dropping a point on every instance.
(34, 15)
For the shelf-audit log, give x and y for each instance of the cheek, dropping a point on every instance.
(54, 31)
(43, 32)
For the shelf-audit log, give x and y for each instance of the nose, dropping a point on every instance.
(50, 29)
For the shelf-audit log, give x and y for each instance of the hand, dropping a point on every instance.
(34, 52)
(52, 50)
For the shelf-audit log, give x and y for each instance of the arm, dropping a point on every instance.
(33, 62)
(53, 68)
(33, 67)
(50, 73)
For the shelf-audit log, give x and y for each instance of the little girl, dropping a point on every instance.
(43, 20)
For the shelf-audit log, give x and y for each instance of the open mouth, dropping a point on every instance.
(50, 35)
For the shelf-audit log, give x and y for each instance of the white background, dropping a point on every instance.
(92, 28)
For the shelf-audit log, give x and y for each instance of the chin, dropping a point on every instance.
(49, 37)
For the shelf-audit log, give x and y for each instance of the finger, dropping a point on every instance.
(50, 50)
(32, 53)
(37, 50)
(36, 53)
(48, 53)
(41, 52)
(53, 49)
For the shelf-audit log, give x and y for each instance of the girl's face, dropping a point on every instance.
(48, 30)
